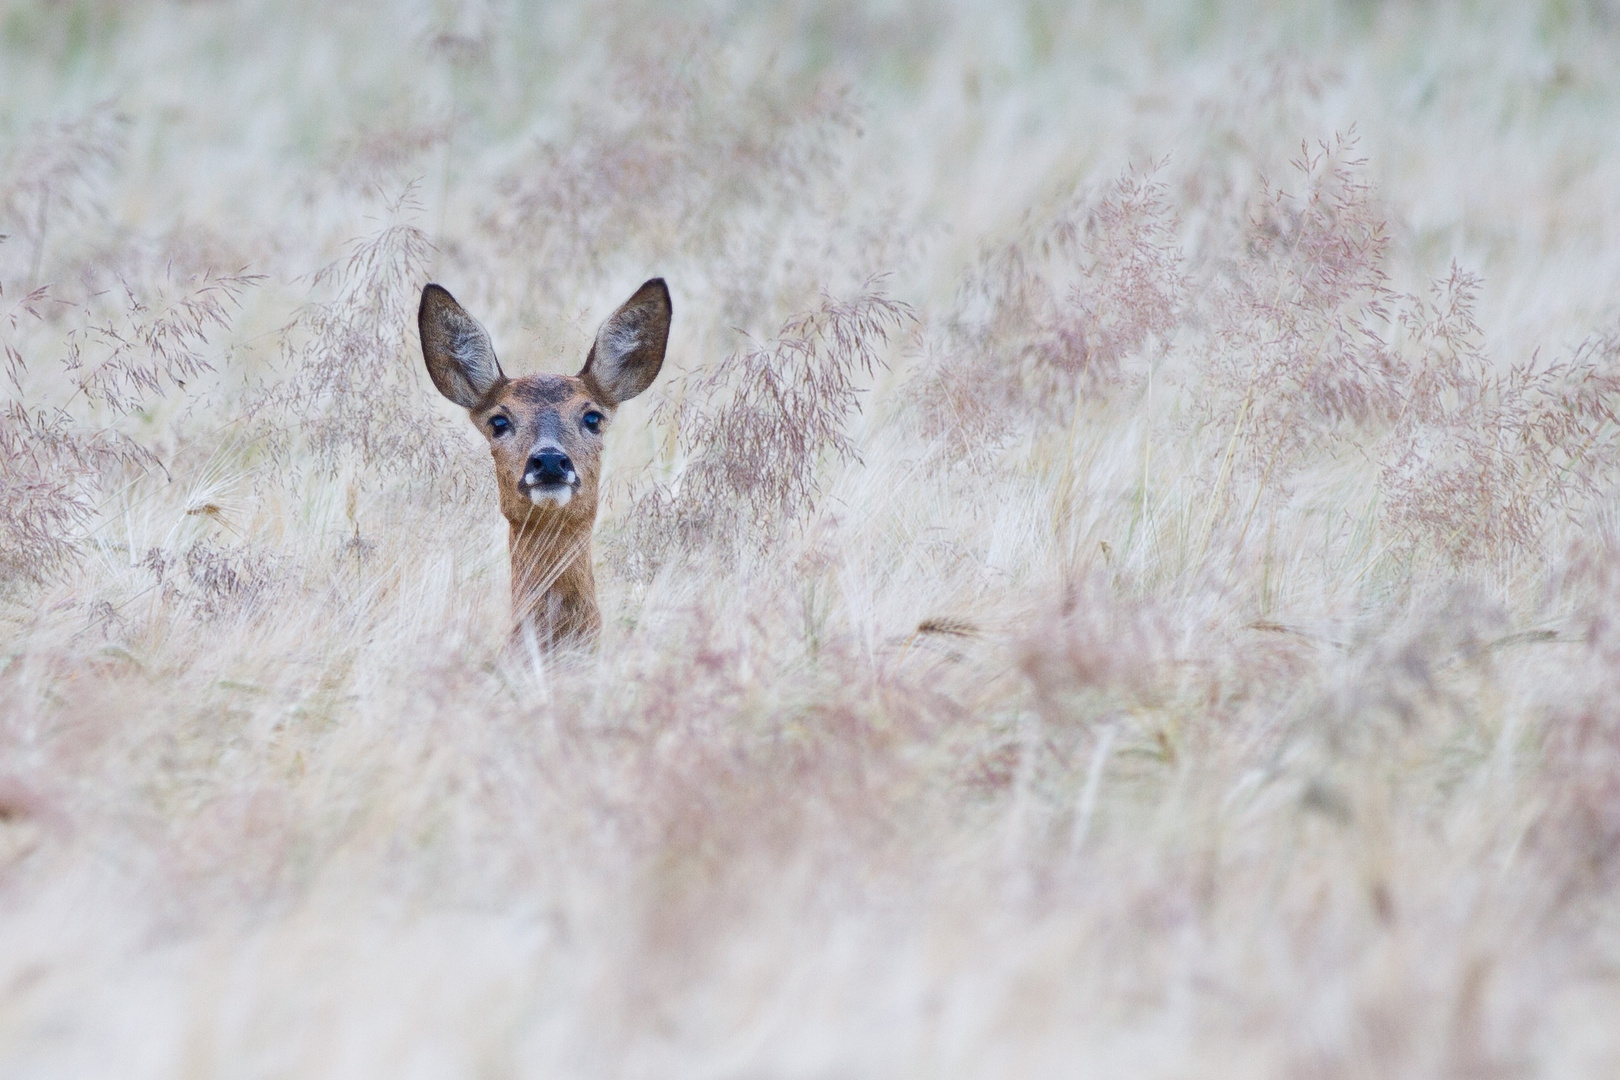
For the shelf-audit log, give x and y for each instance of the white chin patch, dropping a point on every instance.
(551, 493)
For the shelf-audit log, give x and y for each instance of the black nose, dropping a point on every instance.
(549, 467)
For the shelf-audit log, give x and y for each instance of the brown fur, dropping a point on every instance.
(553, 587)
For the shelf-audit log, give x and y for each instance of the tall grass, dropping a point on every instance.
(1117, 575)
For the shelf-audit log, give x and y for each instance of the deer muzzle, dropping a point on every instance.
(550, 476)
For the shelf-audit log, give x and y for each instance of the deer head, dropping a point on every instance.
(546, 435)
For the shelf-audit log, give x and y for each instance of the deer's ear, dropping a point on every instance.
(629, 348)
(458, 352)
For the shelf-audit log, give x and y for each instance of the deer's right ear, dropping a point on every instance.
(629, 347)
(458, 352)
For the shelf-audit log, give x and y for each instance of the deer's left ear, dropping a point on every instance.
(629, 347)
(459, 356)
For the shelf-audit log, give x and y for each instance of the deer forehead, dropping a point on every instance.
(543, 393)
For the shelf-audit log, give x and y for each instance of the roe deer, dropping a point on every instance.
(545, 433)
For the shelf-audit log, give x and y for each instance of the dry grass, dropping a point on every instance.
(1119, 575)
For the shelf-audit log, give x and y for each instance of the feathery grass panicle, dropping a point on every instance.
(59, 443)
(1057, 313)
(352, 397)
(757, 432)
(52, 179)
(1296, 354)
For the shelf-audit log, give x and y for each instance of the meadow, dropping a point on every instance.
(1119, 574)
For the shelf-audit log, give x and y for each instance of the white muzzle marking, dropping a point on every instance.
(552, 493)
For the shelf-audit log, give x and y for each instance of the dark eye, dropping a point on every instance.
(592, 421)
(499, 425)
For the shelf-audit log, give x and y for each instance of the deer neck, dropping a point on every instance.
(553, 589)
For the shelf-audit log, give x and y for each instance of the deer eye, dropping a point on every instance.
(592, 421)
(499, 425)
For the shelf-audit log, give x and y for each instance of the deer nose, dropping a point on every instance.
(549, 467)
